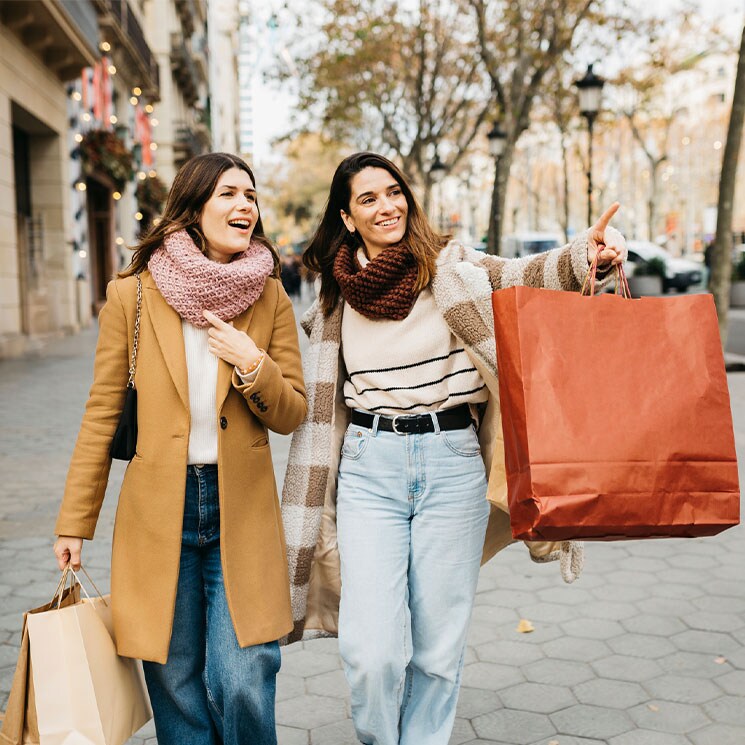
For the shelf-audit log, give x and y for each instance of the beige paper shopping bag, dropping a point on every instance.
(85, 692)
(19, 725)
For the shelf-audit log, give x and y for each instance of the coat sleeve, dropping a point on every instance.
(88, 474)
(277, 395)
(562, 268)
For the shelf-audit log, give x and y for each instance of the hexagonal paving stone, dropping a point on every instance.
(480, 633)
(727, 710)
(338, 733)
(289, 686)
(328, 684)
(547, 612)
(710, 642)
(462, 732)
(494, 614)
(733, 682)
(645, 564)
(509, 652)
(537, 697)
(491, 676)
(517, 727)
(591, 721)
(553, 672)
(592, 628)
(581, 650)
(292, 736)
(608, 609)
(648, 737)
(568, 595)
(682, 689)
(668, 606)
(505, 598)
(305, 663)
(326, 646)
(614, 694)
(722, 603)
(634, 579)
(473, 702)
(655, 625)
(621, 667)
(310, 711)
(666, 716)
(693, 663)
(641, 645)
(679, 590)
(709, 621)
(568, 740)
(718, 734)
(623, 593)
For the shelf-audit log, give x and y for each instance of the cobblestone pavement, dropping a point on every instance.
(647, 648)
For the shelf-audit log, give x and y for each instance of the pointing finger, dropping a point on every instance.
(214, 320)
(606, 217)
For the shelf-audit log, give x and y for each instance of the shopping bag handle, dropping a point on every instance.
(69, 572)
(621, 284)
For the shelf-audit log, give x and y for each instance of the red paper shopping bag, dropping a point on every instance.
(616, 416)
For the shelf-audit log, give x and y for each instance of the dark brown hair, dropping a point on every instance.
(193, 186)
(423, 242)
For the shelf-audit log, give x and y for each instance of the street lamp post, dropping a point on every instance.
(437, 173)
(590, 88)
(497, 140)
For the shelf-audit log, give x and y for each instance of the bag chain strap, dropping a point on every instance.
(133, 362)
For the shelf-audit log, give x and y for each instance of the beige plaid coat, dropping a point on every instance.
(462, 290)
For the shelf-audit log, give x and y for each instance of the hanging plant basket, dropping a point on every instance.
(151, 193)
(103, 151)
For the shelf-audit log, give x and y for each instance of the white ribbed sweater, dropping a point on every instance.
(201, 368)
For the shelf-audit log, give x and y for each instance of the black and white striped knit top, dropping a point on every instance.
(409, 366)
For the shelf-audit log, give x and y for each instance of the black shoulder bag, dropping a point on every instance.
(124, 444)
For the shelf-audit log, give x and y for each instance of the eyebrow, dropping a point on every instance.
(235, 188)
(394, 185)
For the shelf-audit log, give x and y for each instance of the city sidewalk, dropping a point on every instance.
(647, 648)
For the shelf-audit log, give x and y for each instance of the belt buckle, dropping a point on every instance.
(393, 424)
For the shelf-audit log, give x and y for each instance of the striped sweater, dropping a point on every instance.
(408, 366)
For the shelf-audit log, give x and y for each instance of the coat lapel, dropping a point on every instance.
(224, 369)
(167, 325)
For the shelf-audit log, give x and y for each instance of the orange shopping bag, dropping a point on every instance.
(616, 416)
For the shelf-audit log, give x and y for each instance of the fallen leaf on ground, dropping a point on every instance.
(525, 626)
(652, 707)
(720, 660)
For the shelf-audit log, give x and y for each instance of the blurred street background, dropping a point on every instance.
(518, 123)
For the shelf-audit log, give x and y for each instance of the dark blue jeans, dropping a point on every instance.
(210, 691)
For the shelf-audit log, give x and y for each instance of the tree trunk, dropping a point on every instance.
(565, 206)
(502, 168)
(654, 166)
(721, 268)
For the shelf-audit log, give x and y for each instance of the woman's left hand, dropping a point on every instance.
(226, 342)
(607, 240)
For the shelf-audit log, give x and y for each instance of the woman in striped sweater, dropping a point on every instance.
(385, 500)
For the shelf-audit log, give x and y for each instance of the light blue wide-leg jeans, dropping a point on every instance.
(411, 518)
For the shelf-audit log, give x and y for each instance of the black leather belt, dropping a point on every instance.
(417, 424)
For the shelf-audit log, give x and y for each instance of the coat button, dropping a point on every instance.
(223, 422)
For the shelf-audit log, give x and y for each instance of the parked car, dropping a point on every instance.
(527, 244)
(680, 274)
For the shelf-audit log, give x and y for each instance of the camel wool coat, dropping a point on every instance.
(147, 531)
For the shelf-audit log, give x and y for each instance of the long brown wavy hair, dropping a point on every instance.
(193, 186)
(423, 242)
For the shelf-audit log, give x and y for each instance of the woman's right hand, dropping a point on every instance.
(67, 549)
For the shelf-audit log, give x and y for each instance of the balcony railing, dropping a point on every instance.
(185, 69)
(117, 18)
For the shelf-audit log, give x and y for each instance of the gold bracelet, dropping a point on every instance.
(253, 366)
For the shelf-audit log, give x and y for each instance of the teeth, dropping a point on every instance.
(239, 223)
(388, 222)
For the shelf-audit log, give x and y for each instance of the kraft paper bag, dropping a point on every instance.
(616, 416)
(85, 692)
(19, 725)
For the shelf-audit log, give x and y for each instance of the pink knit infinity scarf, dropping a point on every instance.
(192, 283)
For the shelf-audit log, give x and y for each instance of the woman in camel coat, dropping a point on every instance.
(199, 573)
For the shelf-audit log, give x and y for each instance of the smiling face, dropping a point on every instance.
(229, 216)
(377, 210)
